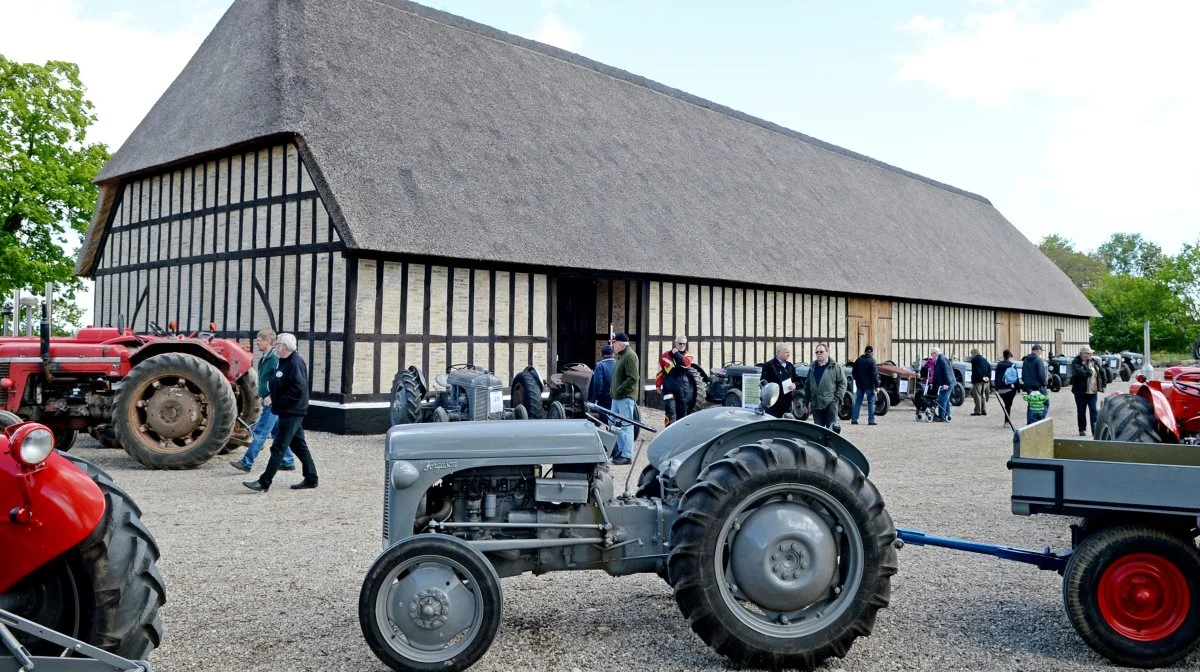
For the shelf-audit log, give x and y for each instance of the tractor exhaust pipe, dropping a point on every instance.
(45, 331)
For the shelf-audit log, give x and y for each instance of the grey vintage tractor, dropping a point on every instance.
(1060, 372)
(465, 392)
(1131, 364)
(776, 544)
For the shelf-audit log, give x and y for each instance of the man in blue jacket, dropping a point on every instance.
(289, 401)
(599, 392)
(866, 381)
(943, 382)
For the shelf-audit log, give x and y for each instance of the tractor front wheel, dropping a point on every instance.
(245, 393)
(1055, 382)
(64, 439)
(1126, 417)
(958, 394)
(1133, 595)
(782, 554)
(1126, 372)
(174, 411)
(883, 403)
(106, 591)
(431, 602)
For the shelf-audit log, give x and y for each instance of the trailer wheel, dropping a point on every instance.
(772, 535)
(1126, 372)
(1133, 595)
(174, 411)
(1126, 417)
(431, 602)
(733, 398)
(527, 392)
(958, 394)
(106, 591)
(882, 403)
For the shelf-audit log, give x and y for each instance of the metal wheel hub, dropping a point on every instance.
(173, 411)
(431, 606)
(785, 557)
(1144, 597)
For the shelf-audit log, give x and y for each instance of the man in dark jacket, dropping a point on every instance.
(600, 391)
(264, 428)
(289, 401)
(866, 382)
(1035, 375)
(1007, 391)
(1087, 382)
(943, 382)
(782, 372)
(981, 375)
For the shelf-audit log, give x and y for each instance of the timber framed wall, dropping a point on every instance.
(918, 327)
(725, 323)
(243, 241)
(414, 313)
(1040, 328)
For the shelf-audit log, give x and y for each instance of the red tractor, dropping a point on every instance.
(171, 401)
(78, 570)
(1155, 411)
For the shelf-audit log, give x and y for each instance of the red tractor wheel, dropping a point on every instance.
(245, 392)
(106, 591)
(174, 411)
(1133, 594)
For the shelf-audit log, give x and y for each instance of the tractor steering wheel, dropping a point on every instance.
(600, 409)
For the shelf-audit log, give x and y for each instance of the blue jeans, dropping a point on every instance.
(858, 399)
(944, 403)
(625, 408)
(264, 428)
(1033, 416)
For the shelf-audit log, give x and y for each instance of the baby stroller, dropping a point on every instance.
(925, 400)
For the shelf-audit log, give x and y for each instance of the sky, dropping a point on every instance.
(1074, 117)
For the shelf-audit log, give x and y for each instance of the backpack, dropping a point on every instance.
(1010, 376)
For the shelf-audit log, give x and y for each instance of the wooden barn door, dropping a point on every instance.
(869, 322)
(1008, 332)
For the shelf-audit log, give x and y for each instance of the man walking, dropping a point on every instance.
(1087, 381)
(267, 420)
(826, 385)
(289, 400)
(1007, 382)
(675, 381)
(866, 383)
(782, 372)
(943, 382)
(600, 391)
(626, 384)
(1035, 375)
(981, 375)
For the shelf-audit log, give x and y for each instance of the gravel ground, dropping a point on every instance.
(271, 582)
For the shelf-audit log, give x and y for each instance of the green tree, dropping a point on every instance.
(1126, 301)
(46, 171)
(1083, 270)
(1130, 254)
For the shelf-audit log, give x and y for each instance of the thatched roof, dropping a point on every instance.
(433, 135)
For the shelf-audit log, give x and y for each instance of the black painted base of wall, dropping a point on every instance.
(347, 420)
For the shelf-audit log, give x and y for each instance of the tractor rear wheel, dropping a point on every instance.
(245, 393)
(1133, 595)
(406, 398)
(106, 591)
(699, 389)
(431, 602)
(527, 392)
(958, 394)
(782, 555)
(174, 411)
(1126, 417)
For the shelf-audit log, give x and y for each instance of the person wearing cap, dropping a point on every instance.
(626, 386)
(600, 391)
(981, 375)
(264, 427)
(288, 400)
(1087, 382)
(866, 384)
(1035, 375)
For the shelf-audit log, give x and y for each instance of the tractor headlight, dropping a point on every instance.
(33, 443)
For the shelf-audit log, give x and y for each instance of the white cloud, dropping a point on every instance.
(1122, 152)
(125, 67)
(552, 31)
(923, 24)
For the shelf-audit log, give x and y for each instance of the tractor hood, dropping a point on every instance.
(543, 440)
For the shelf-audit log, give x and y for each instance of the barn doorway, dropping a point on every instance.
(575, 335)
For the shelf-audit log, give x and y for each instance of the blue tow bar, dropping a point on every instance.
(1043, 559)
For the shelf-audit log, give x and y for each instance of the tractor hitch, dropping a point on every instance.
(1044, 559)
(15, 658)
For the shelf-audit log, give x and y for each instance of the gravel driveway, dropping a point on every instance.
(271, 582)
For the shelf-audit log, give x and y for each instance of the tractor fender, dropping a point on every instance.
(50, 509)
(218, 358)
(1162, 410)
(692, 449)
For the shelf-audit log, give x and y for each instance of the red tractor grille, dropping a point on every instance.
(4, 370)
